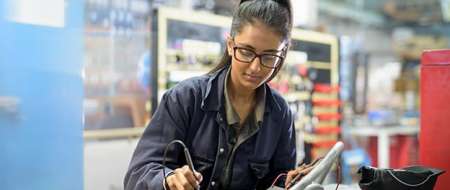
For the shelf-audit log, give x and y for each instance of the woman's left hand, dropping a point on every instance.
(295, 175)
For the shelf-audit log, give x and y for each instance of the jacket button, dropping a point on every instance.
(221, 150)
(213, 183)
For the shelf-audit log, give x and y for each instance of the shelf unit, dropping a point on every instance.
(314, 57)
(195, 36)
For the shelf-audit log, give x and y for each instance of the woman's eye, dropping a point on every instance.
(246, 52)
(269, 58)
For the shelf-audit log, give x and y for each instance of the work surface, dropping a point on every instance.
(331, 187)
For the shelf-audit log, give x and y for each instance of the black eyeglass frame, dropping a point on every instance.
(259, 56)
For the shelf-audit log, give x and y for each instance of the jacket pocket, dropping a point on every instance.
(259, 169)
(202, 165)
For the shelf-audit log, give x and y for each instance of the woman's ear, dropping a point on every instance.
(229, 46)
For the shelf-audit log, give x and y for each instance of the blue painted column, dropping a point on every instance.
(41, 94)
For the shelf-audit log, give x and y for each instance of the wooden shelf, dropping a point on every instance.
(296, 96)
(113, 133)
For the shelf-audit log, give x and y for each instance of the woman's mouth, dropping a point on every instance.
(252, 78)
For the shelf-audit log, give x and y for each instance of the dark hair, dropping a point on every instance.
(276, 14)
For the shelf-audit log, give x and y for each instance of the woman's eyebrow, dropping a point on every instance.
(251, 47)
(246, 46)
(272, 50)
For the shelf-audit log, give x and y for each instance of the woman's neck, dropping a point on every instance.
(239, 94)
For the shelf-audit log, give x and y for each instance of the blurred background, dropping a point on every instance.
(79, 80)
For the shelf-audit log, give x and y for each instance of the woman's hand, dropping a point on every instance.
(295, 175)
(184, 179)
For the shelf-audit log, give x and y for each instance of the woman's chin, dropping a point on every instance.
(251, 85)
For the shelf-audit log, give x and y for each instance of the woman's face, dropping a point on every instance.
(248, 70)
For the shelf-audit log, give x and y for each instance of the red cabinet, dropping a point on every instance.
(435, 113)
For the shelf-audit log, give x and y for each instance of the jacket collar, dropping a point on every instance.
(214, 100)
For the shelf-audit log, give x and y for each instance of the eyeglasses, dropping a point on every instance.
(247, 55)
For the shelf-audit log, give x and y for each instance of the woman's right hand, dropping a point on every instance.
(184, 179)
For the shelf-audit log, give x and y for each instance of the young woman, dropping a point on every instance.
(239, 131)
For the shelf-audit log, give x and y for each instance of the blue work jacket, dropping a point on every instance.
(193, 112)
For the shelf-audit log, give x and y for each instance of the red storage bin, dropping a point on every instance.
(434, 141)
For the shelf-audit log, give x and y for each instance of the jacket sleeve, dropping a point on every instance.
(168, 123)
(285, 153)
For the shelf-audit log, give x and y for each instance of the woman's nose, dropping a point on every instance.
(255, 65)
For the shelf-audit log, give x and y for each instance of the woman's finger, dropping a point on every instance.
(182, 182)
(298, 173)
(189, 176)
(290, 175)
(171, 182)
(199, 177)
(306, 170)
